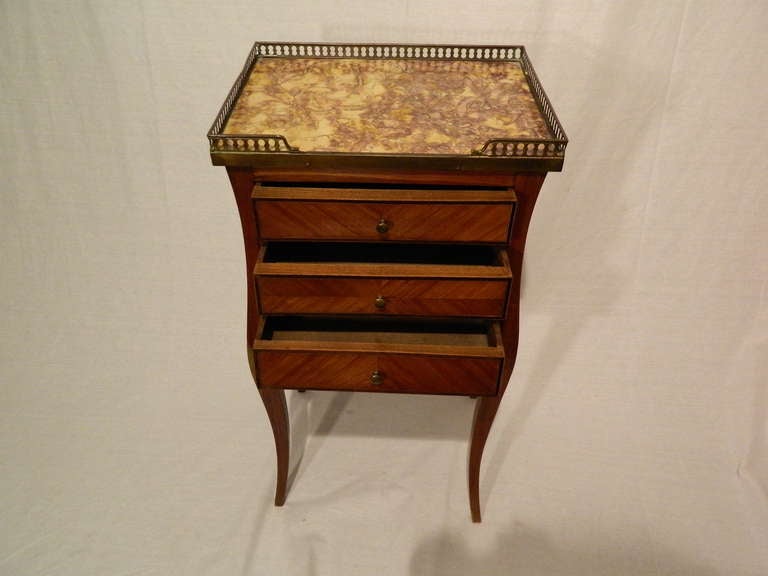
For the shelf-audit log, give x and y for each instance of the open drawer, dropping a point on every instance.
(382, 278)
(379, 355)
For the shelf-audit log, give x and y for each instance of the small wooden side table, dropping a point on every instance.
(385, 193)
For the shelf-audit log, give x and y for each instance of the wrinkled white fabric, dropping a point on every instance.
(633, 436)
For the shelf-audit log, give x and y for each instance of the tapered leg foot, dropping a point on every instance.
(277, 410)
(485, 412)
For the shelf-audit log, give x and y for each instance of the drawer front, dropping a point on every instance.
(372, 372)
(397, 296)
(396, 221)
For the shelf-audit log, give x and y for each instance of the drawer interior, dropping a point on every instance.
(468, 333)
(354, 252)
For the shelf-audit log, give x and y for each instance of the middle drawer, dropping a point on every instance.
(387, 279)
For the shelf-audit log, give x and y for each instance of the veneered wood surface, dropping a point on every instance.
(411, 341)
(462, 222)
(332, 268)
(342, 174)
(376, 270)
(242, 185)
(400, 373)
(407, 348)
(485, 412)
(378, 194)
(426, 297)
(529, 185)
(277, 412)
(526, 188)
(430, 375)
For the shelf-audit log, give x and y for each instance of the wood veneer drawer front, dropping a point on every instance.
(384, 278)
(395, 296)
(380, 221)
(438, 215)
(380, 359)
(367, 372)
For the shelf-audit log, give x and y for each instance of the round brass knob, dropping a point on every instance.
(383, 226)
(380, 302)
(377, 377)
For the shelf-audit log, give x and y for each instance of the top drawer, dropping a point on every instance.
(414, 214)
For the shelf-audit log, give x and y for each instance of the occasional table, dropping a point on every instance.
(385, 193)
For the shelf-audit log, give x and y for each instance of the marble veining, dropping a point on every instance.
(387, 106)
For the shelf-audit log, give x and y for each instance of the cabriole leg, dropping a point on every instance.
(485, 412)
(277, 410)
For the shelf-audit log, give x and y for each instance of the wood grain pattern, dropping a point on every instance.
(382, 348)
(430, 373)
(277, 412)
(400, 373)
(340, 173)
(461, 222)
(400, 296)
(369, 194)
(314, 370)
(363, 270)
(242, 184)
(530, 184)
(485, 412)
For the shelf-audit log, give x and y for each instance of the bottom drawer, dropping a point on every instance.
(463, 358)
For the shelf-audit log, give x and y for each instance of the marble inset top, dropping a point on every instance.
(387, 106)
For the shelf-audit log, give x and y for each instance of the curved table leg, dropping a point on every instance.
(485, 412)
(277, 410)
(242, 180)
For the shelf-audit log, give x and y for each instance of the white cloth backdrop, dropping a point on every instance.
(633, 437)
